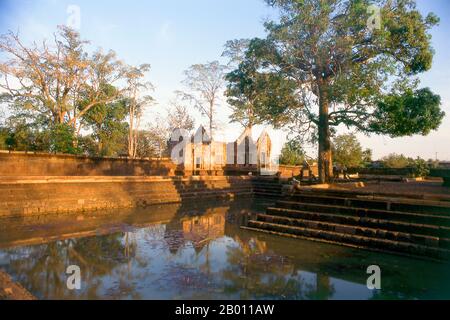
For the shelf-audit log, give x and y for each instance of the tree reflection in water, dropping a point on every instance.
(199, 254)
(186, 251)
(42, 268)
(254, 272)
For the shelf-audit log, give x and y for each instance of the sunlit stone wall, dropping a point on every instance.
(31, 164)
(23, 196)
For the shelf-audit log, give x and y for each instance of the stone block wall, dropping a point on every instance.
(30, 196)
(35, 184)
(292, 171)
(36, 164)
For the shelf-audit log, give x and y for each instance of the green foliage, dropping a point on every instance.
(152, 144)
(408, 114)
(88, 146)
(367, 157)
(23, 136)
(62, 139)
(66, 90)
(256, 97)
(148, 145)
(109, 127)
(395, 160)
(420, 168)
(347, 151)
(4, 138)
(328, 49)
(257, 100)
(292, 154)
(57, 78)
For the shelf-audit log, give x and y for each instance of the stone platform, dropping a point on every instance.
(412, 224)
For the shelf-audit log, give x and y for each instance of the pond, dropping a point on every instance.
(191, 251)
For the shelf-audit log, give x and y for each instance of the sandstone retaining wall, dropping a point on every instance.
(39, 164)
(23, 196)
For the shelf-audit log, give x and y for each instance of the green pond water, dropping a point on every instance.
(198, 252)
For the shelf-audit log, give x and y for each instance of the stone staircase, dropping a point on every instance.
(266, 187)
(392, 224)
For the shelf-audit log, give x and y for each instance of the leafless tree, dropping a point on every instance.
(205, 83)
(179, 117)
(137, 102)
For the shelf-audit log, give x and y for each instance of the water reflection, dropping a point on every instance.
(201, 253)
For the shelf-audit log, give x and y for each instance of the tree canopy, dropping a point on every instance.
(57, 90)
(292, 154)
(337, 70)
(348, 151)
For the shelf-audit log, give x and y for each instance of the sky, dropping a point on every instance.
(171, 35)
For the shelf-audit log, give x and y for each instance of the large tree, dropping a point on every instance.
(340, 69)
(57, 90)
(60, 82)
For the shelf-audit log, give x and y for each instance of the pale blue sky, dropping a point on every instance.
(171, 35)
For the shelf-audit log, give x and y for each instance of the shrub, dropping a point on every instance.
(420, 168)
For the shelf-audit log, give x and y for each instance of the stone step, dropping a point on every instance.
(394, 204)
(394, 235)
(44, 195)
(72, 199)
(212, 185)
(392, 225)
(274, 192)
(351, 240)
(268, 191)
(365, 212)
(192, 197)
(417, 197)
(268, 187)
(189, 191)
(267, 194)
(267, 184)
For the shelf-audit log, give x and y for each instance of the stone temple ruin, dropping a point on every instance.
(199, 153)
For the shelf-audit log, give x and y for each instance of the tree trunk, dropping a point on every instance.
(325, 161)
(211, 110)
(130, 132)
(211, 119)
(136, 135)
